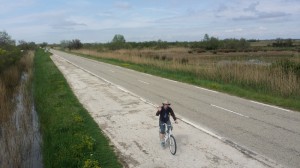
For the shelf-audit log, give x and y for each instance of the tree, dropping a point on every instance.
(283, 43)
(213, 43)
(118, 42)
(289, 43)
(23, 45)
(118, 38)
(5, 39)
(161, 44)
(9, 52)
(206, 37)
(73, 44)
(64, 44)
(243, 44)
(76, 44)
(44, 44)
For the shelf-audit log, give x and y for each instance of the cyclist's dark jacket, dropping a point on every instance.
(165, 113)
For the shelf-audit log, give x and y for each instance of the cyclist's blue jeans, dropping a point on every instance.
(162, 128)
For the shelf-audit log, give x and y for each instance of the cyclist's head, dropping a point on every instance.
(166, 103)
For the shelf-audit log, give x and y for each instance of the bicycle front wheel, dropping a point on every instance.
(172, 145)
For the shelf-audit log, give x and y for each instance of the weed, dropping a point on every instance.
(91, 164)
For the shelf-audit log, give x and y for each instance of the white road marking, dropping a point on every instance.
(229, 111)
(206, 89)
(170, 80)
(271, 106)
(121, 88)
(201, 128)
(144, 82)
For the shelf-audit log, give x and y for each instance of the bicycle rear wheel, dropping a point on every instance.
(172, 145)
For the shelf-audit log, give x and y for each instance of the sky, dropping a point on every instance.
(146, 20)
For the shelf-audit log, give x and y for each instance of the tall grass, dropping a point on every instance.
(16, 106)
(253, 75)
(224, 68)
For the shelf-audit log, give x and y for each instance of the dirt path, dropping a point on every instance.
(132, 127)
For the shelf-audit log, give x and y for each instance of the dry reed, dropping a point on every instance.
(232, 68)
(16, 129)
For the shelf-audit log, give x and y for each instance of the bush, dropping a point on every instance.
(71, 44)
(289, 66)
(283, 43)
(226, 50)
(184, 60)
(23, 45)
(91, 164)
(200, 50)
(9, 52)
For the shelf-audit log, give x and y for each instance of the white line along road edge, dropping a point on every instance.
(264, 160)
(144, 82)
(229, 110)
(279, 108)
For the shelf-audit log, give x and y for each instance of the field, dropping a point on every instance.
(71, 138)
(271, 76)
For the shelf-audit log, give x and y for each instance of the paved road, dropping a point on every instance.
(132, 128)
(267, 131)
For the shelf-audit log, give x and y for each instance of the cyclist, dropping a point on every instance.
(164, 112)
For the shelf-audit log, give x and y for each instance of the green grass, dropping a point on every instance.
(71, 138)
(190, 78)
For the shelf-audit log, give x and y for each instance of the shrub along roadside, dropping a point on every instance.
(71, 138)
(188, 77)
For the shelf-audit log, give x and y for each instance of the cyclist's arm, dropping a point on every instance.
(158, 111)
(173, 115)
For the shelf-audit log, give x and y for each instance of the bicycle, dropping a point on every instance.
(170, 139)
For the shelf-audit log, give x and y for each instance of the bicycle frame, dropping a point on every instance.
(168, 132)
(169, 139)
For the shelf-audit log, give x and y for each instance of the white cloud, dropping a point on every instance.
(149, 20)
(234, 30)
(122, 5)
(262, 28)
(258, 10)
(14, 5)
(67, 24)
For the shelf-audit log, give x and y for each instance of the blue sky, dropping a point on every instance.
(144, 20)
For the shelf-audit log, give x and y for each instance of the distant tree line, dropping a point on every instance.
(208, 43)
(213, 43)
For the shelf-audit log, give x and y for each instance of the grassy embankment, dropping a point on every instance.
(71, 138)
(271, 77)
